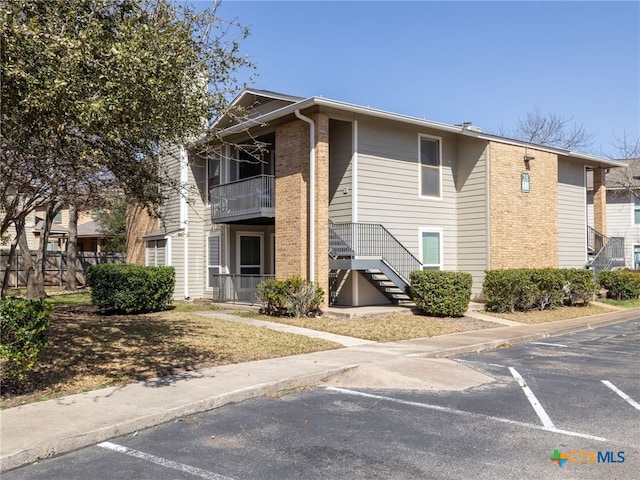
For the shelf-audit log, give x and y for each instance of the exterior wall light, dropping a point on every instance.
(525, 182)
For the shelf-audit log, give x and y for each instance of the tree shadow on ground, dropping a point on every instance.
(107, 350)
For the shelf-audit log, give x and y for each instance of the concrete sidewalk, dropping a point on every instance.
(40, 430)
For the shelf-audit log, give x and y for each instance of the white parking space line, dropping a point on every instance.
(549, 344)
(465, 413)
(542, 415)
(623, 395)
(163, 462)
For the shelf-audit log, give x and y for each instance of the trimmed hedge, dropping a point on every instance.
(579, 285)
(126, 288)
(441, 293)
(522, 289)
(293, 297)
(23, 336)
(620, 284)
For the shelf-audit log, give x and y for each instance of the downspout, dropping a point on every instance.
(184, 213)
(312, 193)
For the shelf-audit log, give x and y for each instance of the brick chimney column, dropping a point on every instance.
(599, 201)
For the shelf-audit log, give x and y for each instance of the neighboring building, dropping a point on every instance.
(386, 194)
(622, 210)
(90, 239)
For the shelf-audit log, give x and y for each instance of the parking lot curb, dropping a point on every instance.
(503, 338)
(64, 445)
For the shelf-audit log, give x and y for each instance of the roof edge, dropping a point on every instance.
(457, 129)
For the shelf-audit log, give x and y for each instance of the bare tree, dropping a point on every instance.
(548, 128)
(625, 180)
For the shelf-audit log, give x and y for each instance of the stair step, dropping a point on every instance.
(379, 277)
(397, 296)
(393, 290)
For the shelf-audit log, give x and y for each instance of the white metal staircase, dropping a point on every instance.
(605, 252)
(373, 251)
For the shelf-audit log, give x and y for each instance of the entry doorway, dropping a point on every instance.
(250, 253)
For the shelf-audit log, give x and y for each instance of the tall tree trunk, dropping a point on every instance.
(29, 267)
(19, 225)
(36, 290)
(72, 248)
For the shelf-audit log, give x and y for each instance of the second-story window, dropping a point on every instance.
(213, 169)
(636, 210)
(250, 161)
(429, 167)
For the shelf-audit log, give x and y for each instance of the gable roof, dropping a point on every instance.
(252, 103)
(287, 105)
(89, 229)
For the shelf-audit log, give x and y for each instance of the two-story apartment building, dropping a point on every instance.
(355, 198)
(622, 211)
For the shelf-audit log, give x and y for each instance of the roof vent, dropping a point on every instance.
(471, 127)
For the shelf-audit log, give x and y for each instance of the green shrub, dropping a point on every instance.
(441, 294)
(548, 287)
(126, 288)
(579, 285)
(293, 297)
(509, 290)
(23, 335)
(521, 289)
(620, 284)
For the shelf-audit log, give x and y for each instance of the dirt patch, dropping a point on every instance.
(384, 328)
(88, 351)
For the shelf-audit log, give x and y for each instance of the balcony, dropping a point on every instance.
(247, 199)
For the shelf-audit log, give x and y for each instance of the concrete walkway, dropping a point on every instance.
(282, 327)
(40, 430)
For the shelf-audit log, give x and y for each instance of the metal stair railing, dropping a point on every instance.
(371, 240)
(609, 256)
(595, 239)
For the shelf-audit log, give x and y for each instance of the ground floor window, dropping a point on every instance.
(53, 246)
(213, 259)
(431, 248)
(636, 257)
(156, 252)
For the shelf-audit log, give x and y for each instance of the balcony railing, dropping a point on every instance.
(245, 199)
(236, 288)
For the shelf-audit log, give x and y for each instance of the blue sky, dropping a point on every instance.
(485, 62)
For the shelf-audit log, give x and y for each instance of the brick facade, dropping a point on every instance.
(599, 201)
(523, 226)
(322, 202)
(292, 205)
(139, 224)
(292, 178)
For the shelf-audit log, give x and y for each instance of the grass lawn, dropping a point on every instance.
(83, 298)
(387, 328)
(87, 351)
(621, 303)
(562, 313)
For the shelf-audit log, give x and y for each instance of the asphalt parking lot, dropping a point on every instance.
(573, 398)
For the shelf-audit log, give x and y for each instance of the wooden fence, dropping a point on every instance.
(56, 266)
